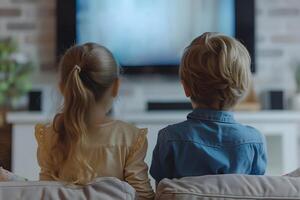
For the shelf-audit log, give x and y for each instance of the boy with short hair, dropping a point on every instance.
(215, 74)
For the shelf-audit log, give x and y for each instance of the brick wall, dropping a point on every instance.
(32, 24)
(278, 43)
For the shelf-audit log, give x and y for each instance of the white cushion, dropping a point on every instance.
(230, 187)
(102, 188)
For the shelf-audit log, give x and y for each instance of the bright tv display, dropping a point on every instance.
(154, 33)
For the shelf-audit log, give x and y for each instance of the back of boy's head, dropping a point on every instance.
(216, 69)
(86, 73)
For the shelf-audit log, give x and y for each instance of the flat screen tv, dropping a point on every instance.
(150, 36)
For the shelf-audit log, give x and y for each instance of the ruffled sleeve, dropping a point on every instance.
(136, 170)
(43, 157)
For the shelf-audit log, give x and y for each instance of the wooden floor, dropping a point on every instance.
(5, 146)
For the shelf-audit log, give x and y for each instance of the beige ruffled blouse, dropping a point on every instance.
(117, 149)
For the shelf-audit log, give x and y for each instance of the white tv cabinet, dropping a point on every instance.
(281, 128)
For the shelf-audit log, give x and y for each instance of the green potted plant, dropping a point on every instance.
(15, 70)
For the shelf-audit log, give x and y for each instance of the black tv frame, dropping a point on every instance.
(66, 33)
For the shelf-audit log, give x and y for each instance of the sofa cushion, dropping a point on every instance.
(6, 175)
(229, 187)
(107, 188)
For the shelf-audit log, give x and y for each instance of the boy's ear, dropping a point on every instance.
(115, 88)
(186, 89)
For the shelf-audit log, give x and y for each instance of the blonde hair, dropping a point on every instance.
(86, 73)
(216, 69)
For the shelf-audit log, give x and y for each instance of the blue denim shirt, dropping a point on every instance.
(208, 142)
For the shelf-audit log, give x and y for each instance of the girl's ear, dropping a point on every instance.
(115, 88)
(187, 90)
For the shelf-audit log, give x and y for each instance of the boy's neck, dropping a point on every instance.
(214, 106)
(203, 106)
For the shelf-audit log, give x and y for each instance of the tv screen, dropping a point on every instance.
(151, 34)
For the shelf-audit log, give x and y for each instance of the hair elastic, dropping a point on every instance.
(76, 67)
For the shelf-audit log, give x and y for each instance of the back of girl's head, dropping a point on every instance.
(216, 69)
(90, 66)
(86, 73)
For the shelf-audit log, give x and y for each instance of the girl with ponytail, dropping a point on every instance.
(82, 142)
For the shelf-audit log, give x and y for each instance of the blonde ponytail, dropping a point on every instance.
(81, 86)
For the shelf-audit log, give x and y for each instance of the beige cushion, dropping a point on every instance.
(102, 188)
(229, 187)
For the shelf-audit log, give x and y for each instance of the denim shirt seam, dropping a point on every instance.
(216, 117)
(215, 146)
(213, 120)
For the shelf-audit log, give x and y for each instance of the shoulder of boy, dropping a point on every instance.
(255, 133)
(164, 133)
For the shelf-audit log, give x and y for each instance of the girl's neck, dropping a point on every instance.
(98, 115)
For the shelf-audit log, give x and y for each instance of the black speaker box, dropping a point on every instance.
(274, 100)
(35, 100)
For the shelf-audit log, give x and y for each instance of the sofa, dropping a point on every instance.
(214, 187)
(217, 187)
(107, 188)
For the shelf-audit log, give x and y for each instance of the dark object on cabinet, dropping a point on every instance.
(35, 101)
(273, 100)
(5, 146)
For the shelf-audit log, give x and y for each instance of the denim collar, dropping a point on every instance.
(212, 115)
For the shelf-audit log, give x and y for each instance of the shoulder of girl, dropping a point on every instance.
(126, 125)
(40, 131)
(132, 128)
